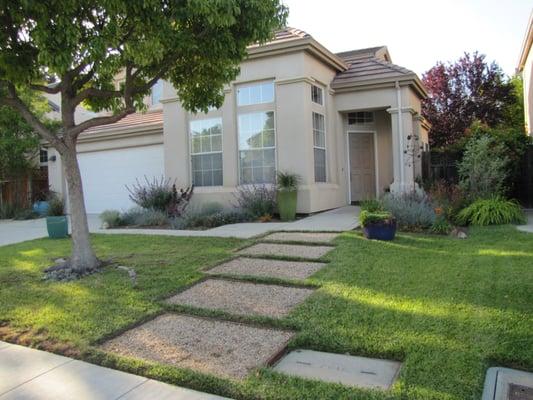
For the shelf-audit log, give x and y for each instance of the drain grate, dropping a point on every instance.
(519, 392)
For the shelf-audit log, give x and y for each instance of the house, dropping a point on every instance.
(349, 124)
(525, 67)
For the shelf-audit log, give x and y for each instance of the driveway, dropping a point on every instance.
(336, 220)
(20, 231)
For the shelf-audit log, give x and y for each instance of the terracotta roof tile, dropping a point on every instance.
(151, 118)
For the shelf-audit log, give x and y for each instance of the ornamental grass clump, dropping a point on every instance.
(367, 218)
(256, 200)
(413, 211)
(493, 211)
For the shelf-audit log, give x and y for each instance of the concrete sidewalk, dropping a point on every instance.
(336, 220)
(29, 374)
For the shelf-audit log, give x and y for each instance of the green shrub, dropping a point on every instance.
(131, 216)
(256, 200)
(484, 169)
(195, 220)
(152, 218)
(56, 206)
(371, 205)
(448, 199)
(111, 218)
(160, 195)
(287, 181)
(413, 211)
(367, 218)
(493, 211)
(441, 226)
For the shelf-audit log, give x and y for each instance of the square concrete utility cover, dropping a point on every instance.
(312, 237)
(268, 268)
(508, 384)
(360, 372)
(242, 298)
(287, 250)
(222, 348)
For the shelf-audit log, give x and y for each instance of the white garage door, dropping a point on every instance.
(105, 175)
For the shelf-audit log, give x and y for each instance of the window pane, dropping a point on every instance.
(206, 151)
(216, 143)
(320, 165)
(267, 92)
(316, 95)
(255, 94)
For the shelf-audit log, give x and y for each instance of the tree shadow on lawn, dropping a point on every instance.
(442, 354)
(84, 310)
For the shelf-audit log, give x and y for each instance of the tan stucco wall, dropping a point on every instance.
(293, 75)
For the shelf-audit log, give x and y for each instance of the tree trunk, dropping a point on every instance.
(83, 257)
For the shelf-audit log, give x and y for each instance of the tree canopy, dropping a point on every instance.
(462, 92)
(79, 47)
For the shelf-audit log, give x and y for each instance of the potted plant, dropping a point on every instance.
(56, 221)
(379, 225)
(287, 195)
(40, 203)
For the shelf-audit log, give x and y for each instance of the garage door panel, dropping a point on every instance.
(105, 175)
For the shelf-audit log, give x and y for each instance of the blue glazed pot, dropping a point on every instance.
(380, 231)
(41, 207)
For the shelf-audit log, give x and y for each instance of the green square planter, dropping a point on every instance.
(287, 200)
(57, 227)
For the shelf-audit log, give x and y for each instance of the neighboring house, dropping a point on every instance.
(349, 124)
(525, 67)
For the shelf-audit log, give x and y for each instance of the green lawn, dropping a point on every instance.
(447, 308)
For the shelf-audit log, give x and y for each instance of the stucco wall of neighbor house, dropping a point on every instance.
(527, 75)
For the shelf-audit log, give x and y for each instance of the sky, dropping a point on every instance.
(418, 33)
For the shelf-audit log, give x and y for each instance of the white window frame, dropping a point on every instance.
(320, 148)
(243, 112)
(252, 84)
(43, 163)
(364, 122)
(191, 153)
(321, 94)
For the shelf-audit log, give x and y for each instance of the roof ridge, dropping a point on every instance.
(396, 67)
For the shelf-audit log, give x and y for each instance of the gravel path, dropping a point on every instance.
(312, 237)
(221, 348)
(242, 298)
(287, 250)
(268, 268)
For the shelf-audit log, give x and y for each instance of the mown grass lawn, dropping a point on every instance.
(447, 308)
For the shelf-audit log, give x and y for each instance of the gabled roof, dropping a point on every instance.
(371, 66)
(526, 45)
(291, 40)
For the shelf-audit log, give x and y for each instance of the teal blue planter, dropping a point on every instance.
(57, 227)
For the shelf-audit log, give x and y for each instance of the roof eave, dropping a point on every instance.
(526, 45)
(411, 80)
(304, 44)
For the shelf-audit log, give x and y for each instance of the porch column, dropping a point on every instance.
(403, 132)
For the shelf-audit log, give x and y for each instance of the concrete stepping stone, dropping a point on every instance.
(242, 298)
(226, 349)
(360, 372)
(267, 268)
(507, 384)
(312, 237)
(286, 250)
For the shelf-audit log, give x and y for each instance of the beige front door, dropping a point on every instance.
(362, 166)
